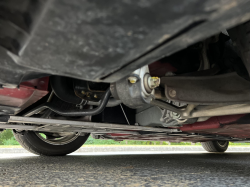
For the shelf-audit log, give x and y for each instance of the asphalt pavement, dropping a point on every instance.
(126, 169)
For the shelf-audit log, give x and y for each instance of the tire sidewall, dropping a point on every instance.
(219, 147)
(43, 148)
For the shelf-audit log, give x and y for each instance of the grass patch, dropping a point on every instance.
(10, 146)
(7, 140)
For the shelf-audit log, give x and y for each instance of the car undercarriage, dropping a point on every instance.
(124, 70)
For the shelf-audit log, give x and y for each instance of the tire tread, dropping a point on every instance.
(212, 146)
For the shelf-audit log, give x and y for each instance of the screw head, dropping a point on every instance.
(172, 93)
(95, 96)
(133, 79)
(83, 92)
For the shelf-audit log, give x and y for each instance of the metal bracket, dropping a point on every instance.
(194, 111)
(220, 89)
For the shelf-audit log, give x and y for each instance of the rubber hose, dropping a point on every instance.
(111, 103)
(84, 112)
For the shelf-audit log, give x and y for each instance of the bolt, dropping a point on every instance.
(83, 92)
(153, 82)
(133, 79)
(95, 96)
(88, 94)
(172, 93)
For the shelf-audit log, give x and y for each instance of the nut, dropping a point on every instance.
(153, 82)
(133, 79)
(172, 93)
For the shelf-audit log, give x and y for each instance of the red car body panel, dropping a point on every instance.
(26, 94)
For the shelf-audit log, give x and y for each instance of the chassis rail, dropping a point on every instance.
(55, 125)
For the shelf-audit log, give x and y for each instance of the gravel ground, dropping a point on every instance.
(110, 169)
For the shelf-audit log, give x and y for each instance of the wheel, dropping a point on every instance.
(215, 146)
(49, 144)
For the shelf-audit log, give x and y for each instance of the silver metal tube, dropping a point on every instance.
(166, 106)
(111, 103)
(204, 111)
(221, 110)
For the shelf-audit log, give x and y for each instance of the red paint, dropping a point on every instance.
(229, 119)
(237, 126)
(28, 93)
(40, 84)
(159, 69)
(212, 123)
(22, 92)
(231, 126)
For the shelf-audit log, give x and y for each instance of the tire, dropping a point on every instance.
(35, 144)
(215, 146)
